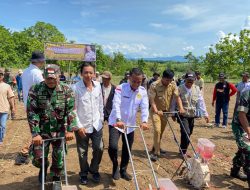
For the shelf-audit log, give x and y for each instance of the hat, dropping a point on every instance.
(1, 71)
(20, 71)
(197, 73)
(127, 73)
(97, 72)
(51, 71)
(106, 75)
(222, 76)
(245, 74)
(7, 70)
(190, 75)
(37, 56)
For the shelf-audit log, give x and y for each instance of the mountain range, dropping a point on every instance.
(177, 58)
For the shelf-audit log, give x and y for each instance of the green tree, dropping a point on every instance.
(45, 32)
(141, 63)
(193, 61)
(8, 55)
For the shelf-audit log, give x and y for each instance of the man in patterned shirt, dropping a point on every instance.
(50, 113)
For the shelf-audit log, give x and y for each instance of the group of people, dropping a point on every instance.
(55, 109)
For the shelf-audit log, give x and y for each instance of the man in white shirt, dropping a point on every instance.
(127, 100)
(89, 108)
(31, 76)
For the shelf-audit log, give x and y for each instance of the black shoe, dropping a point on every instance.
(116, 174)
(20, 159)
(154, 157)
(56, 178)
(235, 173)
(84, 180)
(163, 151)
(96, 177)
(40, 176)
(126, 176)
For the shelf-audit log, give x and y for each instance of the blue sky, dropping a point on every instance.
(137, 28)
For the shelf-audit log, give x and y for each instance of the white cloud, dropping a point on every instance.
(37, 2)
(221, 35)
(185, 11)
(125, 48)
(86, 13)
(208, 47)
(247, 23)
(214, 22)
(188, 48)
(162, 25)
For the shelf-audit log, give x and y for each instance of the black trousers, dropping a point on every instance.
(82, 149)
(114, 136)
(188, 124)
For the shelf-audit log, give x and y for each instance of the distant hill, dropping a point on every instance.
(176, 58)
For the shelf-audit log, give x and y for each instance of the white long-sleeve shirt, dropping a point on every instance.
(31, 76)
(89, 106)
(126, 103)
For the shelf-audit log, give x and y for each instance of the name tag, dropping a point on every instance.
(42, 97)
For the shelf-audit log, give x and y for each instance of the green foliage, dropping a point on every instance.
(192, 61)
(141, 63)
(16, 47)
(229, 55)
(7, 52)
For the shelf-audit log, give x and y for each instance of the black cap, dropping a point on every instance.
(222, 76)
(37, 56)
(190, 75)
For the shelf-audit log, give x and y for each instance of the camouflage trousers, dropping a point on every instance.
(242, 156)
(56, 168)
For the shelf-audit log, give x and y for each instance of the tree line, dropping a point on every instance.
(230, 55)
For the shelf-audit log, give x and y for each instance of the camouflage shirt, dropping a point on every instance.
(51, 111)
(243, 106)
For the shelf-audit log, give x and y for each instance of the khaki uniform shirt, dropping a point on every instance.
(163, 95)
(199, 83)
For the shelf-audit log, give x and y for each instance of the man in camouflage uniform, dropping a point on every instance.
(50, 112)
(241, 130)
(9, 79)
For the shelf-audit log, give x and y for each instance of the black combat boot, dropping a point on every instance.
(248, 180)
(235, 173)
(40, 177)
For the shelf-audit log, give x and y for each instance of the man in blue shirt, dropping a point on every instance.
(19, 85)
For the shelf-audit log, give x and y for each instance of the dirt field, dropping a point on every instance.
(25, 177)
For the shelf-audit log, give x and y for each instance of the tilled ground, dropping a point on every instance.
(24, 177)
